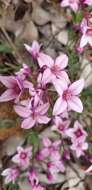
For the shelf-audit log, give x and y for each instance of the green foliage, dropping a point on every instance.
(77, 18)
(5, 123)
(12, 186)
(74, 65)
(5, 48)
(87, 98)
(33, 139)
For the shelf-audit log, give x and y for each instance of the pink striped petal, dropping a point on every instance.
(60, 85)
(77, 87)
(64, 75)
(8, 95)
(59, 107)
(42, 119)
(65, 3)
(6, 172)
(89, 169)
(74, 6)
(44, 59)
(7, 81)
(62, 61)
(46, 77)
(28, 123)
(16, 159)
(83, 41)
(75, 104)
(22, 111)
(46, 142)
(42, 109)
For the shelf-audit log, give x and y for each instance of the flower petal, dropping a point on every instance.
(8, 95)
(44, 59)
(77, 87)
(83, 41)
(62, 61)
(28, 123)
(42, 109)
(64, 75)
(7, 81)
(16, 159)
(60, 85)
(22, 111)
(89, 169)
(46, 77)
(75, 104)
(64, 3)
(43, 119)
(6, 172)
(59, 107)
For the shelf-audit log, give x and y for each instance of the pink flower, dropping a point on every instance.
(22, 158)
(34, 50)
(50, 148)
(77, 132)
(10, 174)
(88, 2)
(66, 154)
(73, 4)
(69, 97)
(61, 126)
(86, 29)
(79, 50)
(79, 146)
(54, 69)
(34, 181)
(23, 72)
(33, 114)
(56, 166)
(33, 177)
(38, 187)
(15, 88)
(89, 169)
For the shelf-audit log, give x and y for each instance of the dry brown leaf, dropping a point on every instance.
(8, 132)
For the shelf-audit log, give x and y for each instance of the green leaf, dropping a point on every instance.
(33, 138)
(77, 18)
(12, 186)
(5, 123)
(5, 48)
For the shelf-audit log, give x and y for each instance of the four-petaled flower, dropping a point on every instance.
(77, 132)
(50, 148)
(79, 146)
(60, 126)
(33, 113)
(86, 29)
(10, 174)
(15, 88)
(54, 68)
(23, 156)
(68, 97)
(73, 4)
(34, 181)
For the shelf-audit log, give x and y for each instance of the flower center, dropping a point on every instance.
(89, 32)
(78, 133)
(61, 127)
(66, 95)
(16, 89)
(23, 155)
(55, 69)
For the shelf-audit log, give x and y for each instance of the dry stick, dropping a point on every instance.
(12, 44)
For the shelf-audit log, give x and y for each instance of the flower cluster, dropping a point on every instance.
(75, 4)
(51, 97)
